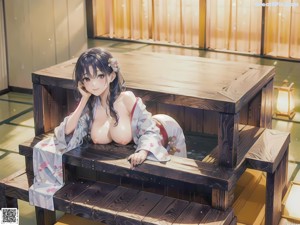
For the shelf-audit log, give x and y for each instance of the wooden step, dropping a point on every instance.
(111, 158)
(107, 203)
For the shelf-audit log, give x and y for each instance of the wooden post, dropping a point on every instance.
(228, 139)
(38, 109)
(222, 199)
(266, 106)
(44, 216)
(276, 189)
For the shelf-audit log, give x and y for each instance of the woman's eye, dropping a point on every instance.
(86, 79)
(101, 76)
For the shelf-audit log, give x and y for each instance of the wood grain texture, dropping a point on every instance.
(222, 199)
(194, 213)
(16, 185)
(67, 193)
(38, 115)
(217, 217)
(166, 211)
(267, 106)
(110, 204)
(204, 95)
(82, 204)
(268, 150)
(275, 191)
(106, 210)
(187, 170)
(205, 86)
(111, 159)
(44, 216)
(141, 205)
(228, 139)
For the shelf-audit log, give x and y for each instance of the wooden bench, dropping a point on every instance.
(269, 154)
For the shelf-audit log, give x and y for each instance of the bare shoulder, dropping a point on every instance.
(129, 99)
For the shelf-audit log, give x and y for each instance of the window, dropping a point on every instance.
(223, 25)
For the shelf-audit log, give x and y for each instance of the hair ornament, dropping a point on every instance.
(113, 63)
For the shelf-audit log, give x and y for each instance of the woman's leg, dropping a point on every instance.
(175, 135)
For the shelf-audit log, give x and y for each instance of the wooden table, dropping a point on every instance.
(204, 95)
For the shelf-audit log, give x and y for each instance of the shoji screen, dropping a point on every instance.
(163, 21)
(234, 25)
(282, 29)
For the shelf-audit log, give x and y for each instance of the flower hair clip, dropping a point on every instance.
(113, 63)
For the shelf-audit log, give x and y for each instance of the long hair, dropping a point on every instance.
(87, 64)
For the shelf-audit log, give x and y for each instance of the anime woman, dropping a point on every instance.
(106, 113)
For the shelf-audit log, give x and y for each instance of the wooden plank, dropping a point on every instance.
(210, 122)
(122, 205)
(222, 199)
(82, 205)
(166, 211)
(244, 115)
(29, 166)
(276, 189)
(192, 214)
(181, 100)
(112, 159)
(218, 217)
(227, 94)
(64, 196)
(248, 135)
(6, 201)
(267, 105)
(254, 110)
(268, 150)
(228, 139)
(138, 208)
(105, 211)
(193, 121)
(187, 170)
(38, 114)
(16, 185)
(44, 216)
(54, 107)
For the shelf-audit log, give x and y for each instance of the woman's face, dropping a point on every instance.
(97, 84)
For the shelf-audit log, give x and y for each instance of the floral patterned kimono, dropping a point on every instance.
(160, 135)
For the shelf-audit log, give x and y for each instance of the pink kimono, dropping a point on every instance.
(160, 135)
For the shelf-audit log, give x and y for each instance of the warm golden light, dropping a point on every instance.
(290, 206)
(285, 100)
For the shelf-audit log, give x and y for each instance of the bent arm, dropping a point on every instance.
(73, 119)
(146, 134)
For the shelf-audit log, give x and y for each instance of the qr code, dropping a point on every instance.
(9, 216)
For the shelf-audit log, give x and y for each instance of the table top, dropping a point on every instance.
(211, 84)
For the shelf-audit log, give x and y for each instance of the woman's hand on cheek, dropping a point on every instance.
(84, 93)
(137, 158)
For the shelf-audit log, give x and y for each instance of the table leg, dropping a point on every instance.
(276, 188)
(228, 137)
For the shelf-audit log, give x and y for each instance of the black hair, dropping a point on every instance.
(87, 63)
